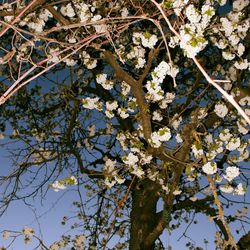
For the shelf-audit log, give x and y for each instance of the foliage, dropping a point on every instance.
(127, 107)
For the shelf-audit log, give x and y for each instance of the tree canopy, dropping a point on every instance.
(131, 103)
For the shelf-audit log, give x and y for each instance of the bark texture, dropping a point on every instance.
(143, 215)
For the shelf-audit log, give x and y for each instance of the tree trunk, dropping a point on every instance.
(143, 215)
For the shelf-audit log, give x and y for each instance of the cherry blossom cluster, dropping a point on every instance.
(146, 39)
(192, 38)
(62, 184)
(110, 170)
(78, 241)
(154, 90)
(160, 136)
(199, 28)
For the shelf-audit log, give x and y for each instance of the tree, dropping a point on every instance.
(144, 102)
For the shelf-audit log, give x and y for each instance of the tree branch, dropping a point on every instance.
(137, 91)
(90, 173)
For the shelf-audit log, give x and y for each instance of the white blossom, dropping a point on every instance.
(210, 168)
(111, 105)
(109, 114)
(37, 26)
(198, 152)
(73, 180)
(101, 78)
(209, 138)
(239, 5)
(145, 159)
(242, 64)
(164, 134)
(228, 86)
(178, 6)
(6, 235)
(177, 192)
(84, 12)
(178, 138)
(193, 198)
(130, 159)
(160, 72)
(218, 146)
(109, 165)
(79, 241)
(68, 10)
(53, 55)
(72, 40)
(136, 38)
(140, 62)
(123, 113)
(89, 62)
(227, 26)
(233, 143)
(148, 40)
(228, 55)
(174, 41)
(192, 41)
(218, 178)
(125, 88)
(91, 103)
(109, 183)
(244, 101)
(155, 93)
(99, 28)
(240, 190)
(231, 173)
(119, 179)
(226, 189)
(8, 19)
(240, 51)
(243, 146)
(155, 141)
(161, 136)
(202, 113)
(207, 12)
(137, 55)
(169, 97)
(70, 62)
(157, 116)
(242, 126)
(138, 172)
(225, 135)
(176, 123)
(28, 231)
(234, 39)
(58, 186)
(165, 188)
(124, 12)
(221, 44)
(221, 110)
(192, 14)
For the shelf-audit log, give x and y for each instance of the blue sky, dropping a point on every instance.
(45, 218)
